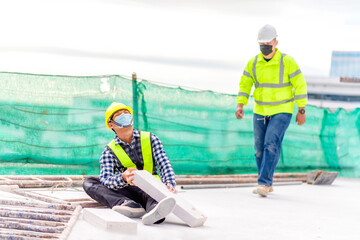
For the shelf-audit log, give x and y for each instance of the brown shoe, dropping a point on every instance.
(263, 190)
(271, 189)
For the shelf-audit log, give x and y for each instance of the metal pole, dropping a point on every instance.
(36, 210)
(36, 205)
(10, 234)
(276, 175)
(38, 216)
(30, 227)
(71, 223)
(34, 222)
(190, 181)
(135, 101)
(39, 196)
(205, 186)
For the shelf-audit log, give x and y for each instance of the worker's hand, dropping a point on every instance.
(171, 188)
(128, 176)
(239, 111)
(300, 118)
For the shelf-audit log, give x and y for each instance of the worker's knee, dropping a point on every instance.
(258, 154)
(272, 148)
(91, 184)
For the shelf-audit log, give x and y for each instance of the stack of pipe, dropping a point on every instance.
(34, 220)
(29, 193)
(77, 180)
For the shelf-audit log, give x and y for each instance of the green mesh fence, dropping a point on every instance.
(55, 125)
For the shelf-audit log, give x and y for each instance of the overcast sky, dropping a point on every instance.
(203, 44)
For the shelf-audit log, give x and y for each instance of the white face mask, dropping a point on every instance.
(124, 120)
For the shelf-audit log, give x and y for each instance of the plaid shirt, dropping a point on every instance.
(111, 169)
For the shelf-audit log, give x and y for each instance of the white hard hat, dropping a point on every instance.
(266, 34)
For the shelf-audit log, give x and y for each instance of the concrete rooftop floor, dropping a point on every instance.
(290, 212)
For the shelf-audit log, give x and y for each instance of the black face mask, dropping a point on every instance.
(266, 49)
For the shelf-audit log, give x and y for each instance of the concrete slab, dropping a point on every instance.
(297, 212)
(157, 190)
(110, 220)
(62, 193)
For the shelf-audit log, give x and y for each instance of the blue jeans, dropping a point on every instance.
(268, 134)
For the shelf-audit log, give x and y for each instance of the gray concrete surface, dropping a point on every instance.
(290, 212)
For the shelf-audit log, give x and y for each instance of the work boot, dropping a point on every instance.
(263, 190)
(271, 189)
(160, 211)
(130, 209)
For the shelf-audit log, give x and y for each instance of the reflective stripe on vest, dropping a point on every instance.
(301, 96)
(145, 150)
(281, 83)
(247, 74)
(294, 74)
(274, 103)
(243, 94)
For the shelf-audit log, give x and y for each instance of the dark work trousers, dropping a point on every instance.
(111, 198)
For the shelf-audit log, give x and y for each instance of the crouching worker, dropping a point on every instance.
(129, 151)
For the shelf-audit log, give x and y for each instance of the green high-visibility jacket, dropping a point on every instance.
(274, 83)
(146, 151)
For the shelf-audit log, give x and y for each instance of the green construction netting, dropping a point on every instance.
(55, 125)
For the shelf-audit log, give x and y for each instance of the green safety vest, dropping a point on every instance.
(274, 83)
(145, 150)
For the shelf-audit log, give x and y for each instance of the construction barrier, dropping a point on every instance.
(55, 125)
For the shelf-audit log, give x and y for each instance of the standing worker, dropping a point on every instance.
(129, 151)
(274, 75)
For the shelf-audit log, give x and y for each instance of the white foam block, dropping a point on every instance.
(158, 191)
(110, 220)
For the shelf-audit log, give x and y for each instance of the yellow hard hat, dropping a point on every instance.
(113, 108)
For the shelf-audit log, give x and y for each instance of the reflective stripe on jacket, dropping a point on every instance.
(274, 83)
(148, 161)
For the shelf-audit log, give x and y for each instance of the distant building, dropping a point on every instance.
(342, 88)
(345, 65)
